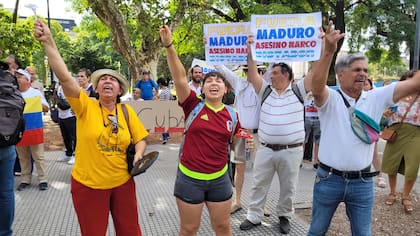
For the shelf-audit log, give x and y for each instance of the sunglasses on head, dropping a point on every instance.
(284, 67)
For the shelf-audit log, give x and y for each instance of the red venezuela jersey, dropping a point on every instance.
(207, 138)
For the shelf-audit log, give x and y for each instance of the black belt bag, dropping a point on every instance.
(278, 147)
(365, 173)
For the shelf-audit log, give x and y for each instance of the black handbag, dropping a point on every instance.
(63, 104)
(54, 115)
(144, 163)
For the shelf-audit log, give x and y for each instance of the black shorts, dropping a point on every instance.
(196, 191)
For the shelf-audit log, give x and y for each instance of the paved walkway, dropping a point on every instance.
(51, 212)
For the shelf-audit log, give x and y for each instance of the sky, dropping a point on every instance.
(58, 8)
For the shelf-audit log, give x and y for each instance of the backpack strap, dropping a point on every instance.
(188, 122)
(266, 93)
(234, 118)
(191, 117)
(295, 90)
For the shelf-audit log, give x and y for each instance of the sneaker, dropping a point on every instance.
(284, 225)
(43, 186)
(71, 161)
(22, 186)
(64, 158)
(267, 212)
(235, 208)
(247, 225)
(381, 182)
(164, 141)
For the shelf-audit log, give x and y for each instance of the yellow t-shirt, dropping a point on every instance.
(100, 152)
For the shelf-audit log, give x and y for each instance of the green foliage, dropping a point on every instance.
(385, 24)
(16, 38)
(92, 48)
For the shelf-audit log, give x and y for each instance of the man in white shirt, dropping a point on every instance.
(281, 135)
(196, 73)
(344, 173)
(34, 81)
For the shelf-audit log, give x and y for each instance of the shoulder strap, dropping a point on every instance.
(345, 100)
(266, 93)
(188, 122)
(193, 115)
(126, 117)
(296, 91)
(232, 113)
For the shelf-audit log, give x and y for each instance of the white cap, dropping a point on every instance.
(25, 73)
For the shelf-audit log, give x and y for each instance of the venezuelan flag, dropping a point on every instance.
(34, 128)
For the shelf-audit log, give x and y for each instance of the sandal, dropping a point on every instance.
(381, 182)
(408, 205)
(390, 199)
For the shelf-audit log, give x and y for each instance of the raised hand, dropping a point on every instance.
(41, 31)
(165, 35)
(330, 38)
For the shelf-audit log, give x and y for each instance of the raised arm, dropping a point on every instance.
(231, 77)
(253, 76)
(319, 72)
(175, 66)
(407, 87)
(43, 34)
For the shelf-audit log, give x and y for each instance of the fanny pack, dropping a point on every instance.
(363, 126)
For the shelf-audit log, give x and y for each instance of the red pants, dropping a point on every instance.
(93, 206)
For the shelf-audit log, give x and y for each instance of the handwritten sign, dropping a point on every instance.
(226, 43)
(159, 114)
(287, 37)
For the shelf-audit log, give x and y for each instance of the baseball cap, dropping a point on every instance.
(25, 73)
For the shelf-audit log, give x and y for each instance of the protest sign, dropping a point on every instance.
(287, 37)
(203, 64)
(226, 43)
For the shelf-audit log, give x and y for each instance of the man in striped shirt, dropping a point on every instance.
(281, 133)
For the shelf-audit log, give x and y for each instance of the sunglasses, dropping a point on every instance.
(114, 123)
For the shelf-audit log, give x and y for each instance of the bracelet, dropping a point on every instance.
(167, 46)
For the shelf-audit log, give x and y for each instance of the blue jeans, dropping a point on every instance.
(330, 190)
(7, 196)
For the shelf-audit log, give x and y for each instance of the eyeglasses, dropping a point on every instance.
(114, 123)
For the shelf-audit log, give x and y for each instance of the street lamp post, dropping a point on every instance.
(49, 26)
(416, 44)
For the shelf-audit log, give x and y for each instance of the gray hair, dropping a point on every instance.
(345, 61)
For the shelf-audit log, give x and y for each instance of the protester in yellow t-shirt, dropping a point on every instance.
(100, 182)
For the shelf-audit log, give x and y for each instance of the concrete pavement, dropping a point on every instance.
(51, 212)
